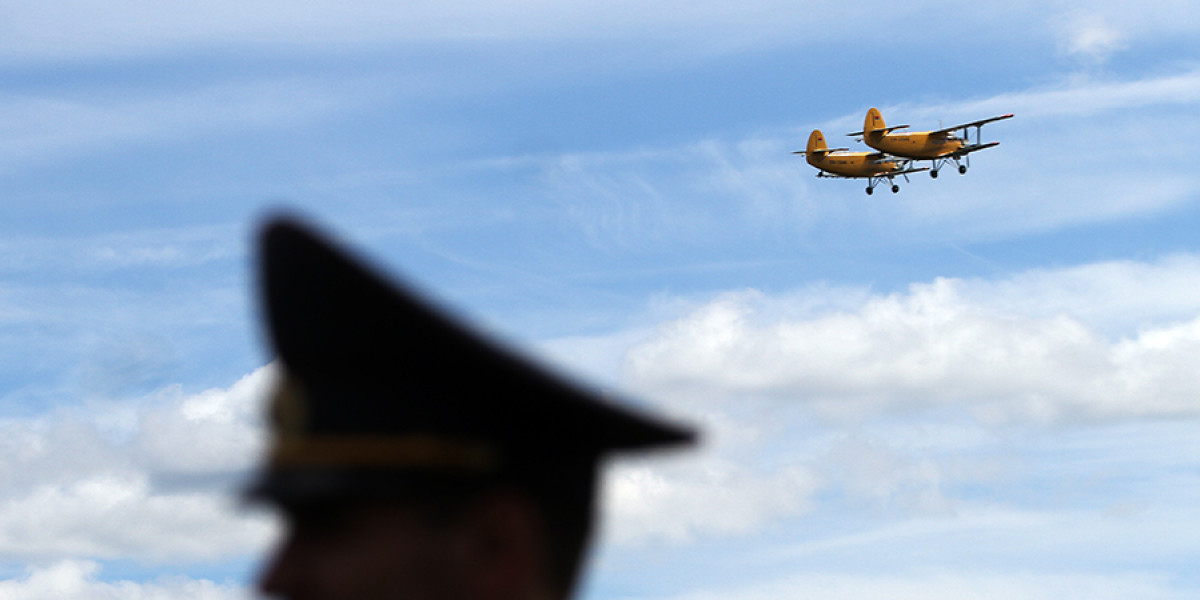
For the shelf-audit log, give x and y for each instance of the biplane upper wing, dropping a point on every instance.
(979, 123)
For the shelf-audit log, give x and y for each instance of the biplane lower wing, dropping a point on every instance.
(820, 151)
(884, 130)
(828, 175)
(910, 170)
(965, 150)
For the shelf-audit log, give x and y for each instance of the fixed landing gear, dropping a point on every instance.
(871, 188)
(876, 180)
(942, 162)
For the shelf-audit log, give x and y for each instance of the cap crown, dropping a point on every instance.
(376, 376)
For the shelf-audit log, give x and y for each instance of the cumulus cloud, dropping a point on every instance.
(153, 480)
(897, 404)
(212, 431)
(114, 516)
(79, 580)
(150, 481)
(946, 343)
(711, 496)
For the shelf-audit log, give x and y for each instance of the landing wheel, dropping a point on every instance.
(933, 174)
(870, 191)
(962, 169)
(895, 188)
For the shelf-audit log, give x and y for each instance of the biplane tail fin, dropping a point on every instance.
(873, 122)
(816, 143)
(817, 149)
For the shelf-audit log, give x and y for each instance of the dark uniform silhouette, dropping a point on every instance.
(413, 458)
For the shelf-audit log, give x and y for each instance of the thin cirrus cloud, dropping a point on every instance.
(82, 30)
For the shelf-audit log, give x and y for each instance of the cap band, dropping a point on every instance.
(410, 451)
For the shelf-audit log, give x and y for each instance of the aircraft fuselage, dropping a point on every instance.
(853, 164)
(919, 144)
(843, 163)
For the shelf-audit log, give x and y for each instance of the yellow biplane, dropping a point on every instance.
(938, 147)
(875, 167)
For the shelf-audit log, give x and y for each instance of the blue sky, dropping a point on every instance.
(983, 386)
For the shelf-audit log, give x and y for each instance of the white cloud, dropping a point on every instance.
(85, 484)
(116, 516)
(931, 403)
(949, 343)
(78, 580)
(1089, 36)
(1095, 31)
(151, 481)
(1114, 297)
(699, 497)
(213, 431)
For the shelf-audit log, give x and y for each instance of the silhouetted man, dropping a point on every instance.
(411, 457)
